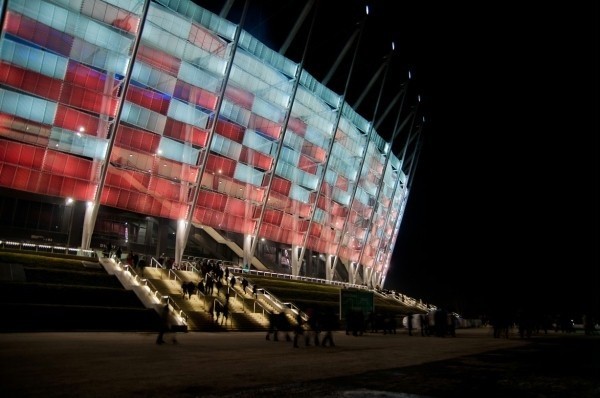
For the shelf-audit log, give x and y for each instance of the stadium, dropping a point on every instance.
(165, 129)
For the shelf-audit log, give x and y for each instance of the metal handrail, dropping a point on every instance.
(26, 246)
(155, 292)
(239, 270)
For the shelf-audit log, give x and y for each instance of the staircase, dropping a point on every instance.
(245, 312)
(39, 293)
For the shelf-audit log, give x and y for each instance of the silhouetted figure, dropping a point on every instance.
(188, 289)
(272, 330)
(440, 322)
(278, 322)
(200, 286)
(409, 323)
(589, 327)
(218, 285)
(314, 326)
(298, 329)
(225, 311)
(424, 324)
(218, 311)
(451, 324)
(255, 291)
(355, 322)
(244, 284)
(142, 266)
(328, 324)
(501, 323)
(164, 325)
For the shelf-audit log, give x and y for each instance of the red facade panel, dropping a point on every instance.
(128, 158)
(230, 130)
(24, 130)
(89, 100)
(281, 185)
(166, 190)
(186, 132)
(307, 165)
(272, 216)
(148, 99)
(29, 81)
(297, 125)
(239, 96)
(38, 33)
(212, 200)
(256, 159)
(317, 153)
(92, 79)
(21, 178)
(137, 139)
(342, 183)
(238, 207)
(75, 120)
(207, 41)
(159, 59)
(111, 15)
(265, 126)
(217, 164)
(195, 95)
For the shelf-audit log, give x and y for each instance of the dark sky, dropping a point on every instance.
(503, 207)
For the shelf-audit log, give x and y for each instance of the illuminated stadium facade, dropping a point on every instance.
(162, 127)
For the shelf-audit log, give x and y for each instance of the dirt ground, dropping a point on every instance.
(240, 364)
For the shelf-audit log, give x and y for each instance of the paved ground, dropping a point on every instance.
(239, 364)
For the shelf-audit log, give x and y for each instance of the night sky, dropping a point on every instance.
(503, 206)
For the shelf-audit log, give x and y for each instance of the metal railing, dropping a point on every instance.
(166, 299)
(42, 248)
(240, 270)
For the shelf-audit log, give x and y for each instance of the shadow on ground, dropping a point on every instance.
(550, 368)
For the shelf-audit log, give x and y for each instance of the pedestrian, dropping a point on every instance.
(255, 291)
(244, 284)
(164, 325)
(298, 329)
(328, 324)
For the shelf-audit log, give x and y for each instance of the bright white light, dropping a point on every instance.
(159, 152)
(419, 97)
(409, 75)
(367, 10)
(81, 129)
(69, 201)
(393, 46)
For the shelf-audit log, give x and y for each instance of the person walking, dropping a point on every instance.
(298, 329)
(164, 325)
(329, 324)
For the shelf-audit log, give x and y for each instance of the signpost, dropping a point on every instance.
(355, 301)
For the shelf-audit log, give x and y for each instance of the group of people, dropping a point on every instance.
(315, 330)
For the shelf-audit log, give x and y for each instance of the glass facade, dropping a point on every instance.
(159, 108)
